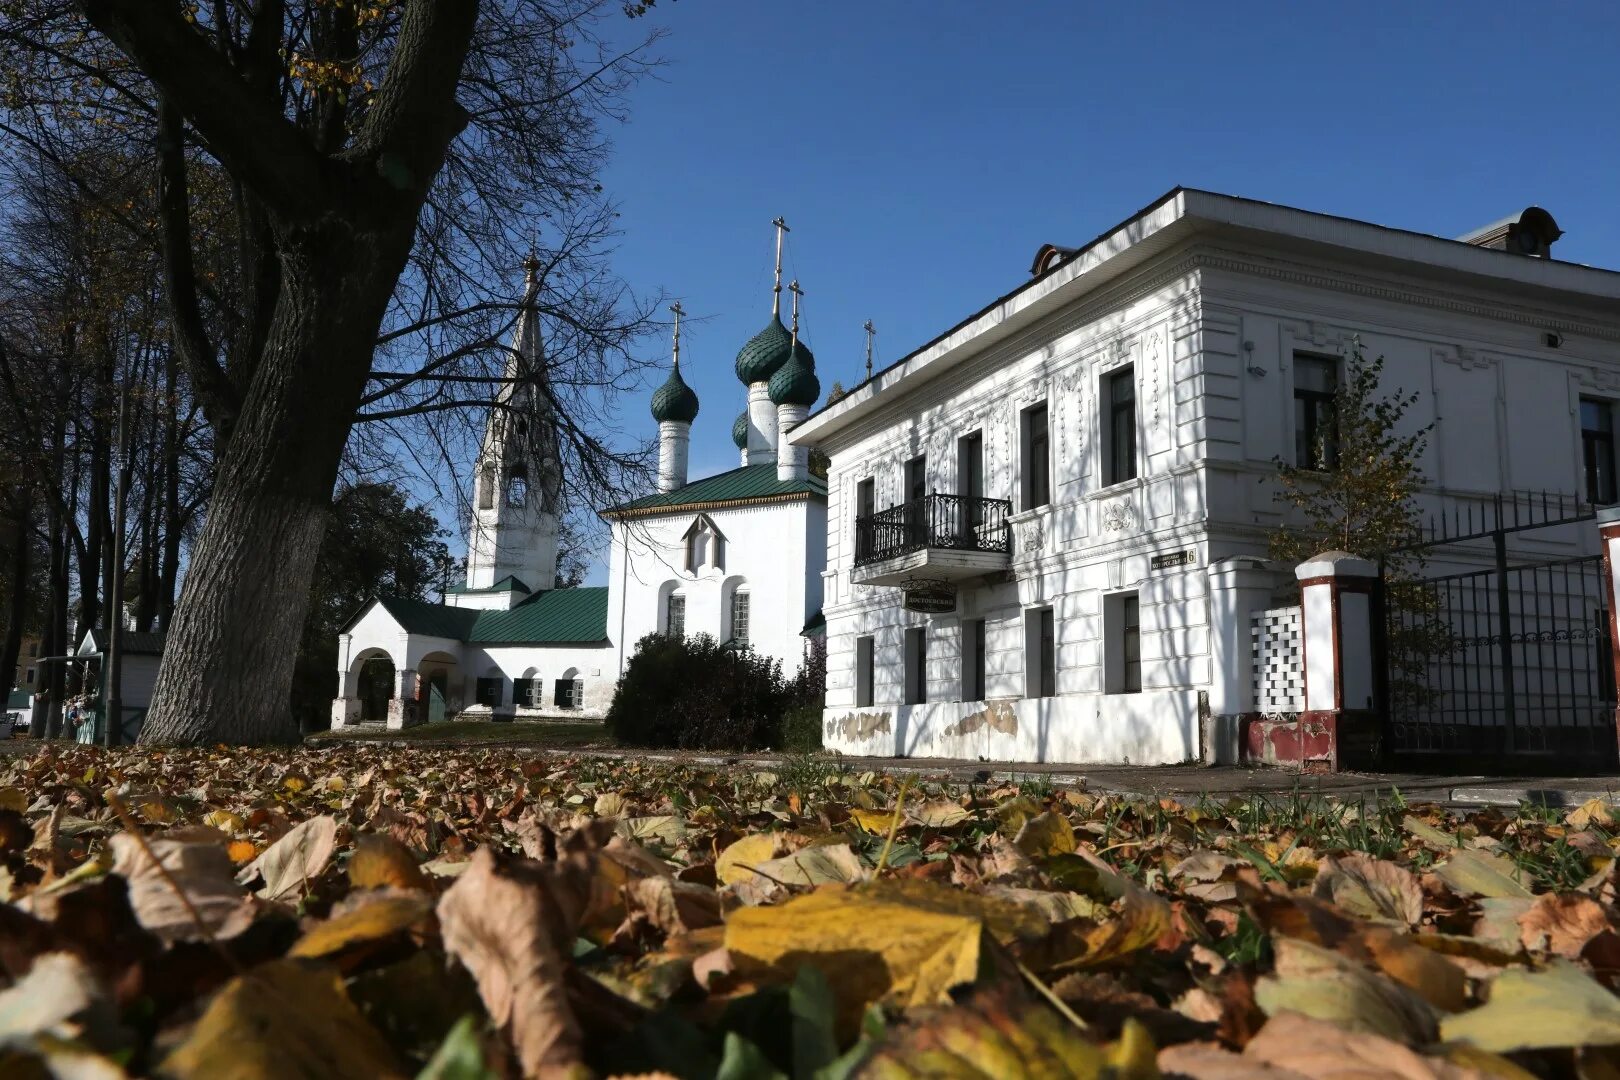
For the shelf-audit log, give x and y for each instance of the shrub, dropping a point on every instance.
(697, 694)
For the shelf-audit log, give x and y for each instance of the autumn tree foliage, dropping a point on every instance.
(342, 195)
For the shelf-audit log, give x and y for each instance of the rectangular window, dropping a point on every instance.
(1119, 396)
(739, 618)
(1316, 435)
(30, 680)
(1122, 644)
(527, 692)
(1035, 443)
(916, 510)
(570, 694)
(917, 477)
(1040, 653)
(492, 692)
(970, 479)
(1597, 450)
(916, 665)
(865, 507)
(973, 666)
(865, 672)
(675, 616)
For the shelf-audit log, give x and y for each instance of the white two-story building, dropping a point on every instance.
(1026, 514)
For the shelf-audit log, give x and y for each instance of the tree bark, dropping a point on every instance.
(17, 615)
(172, 523)
(228, 658)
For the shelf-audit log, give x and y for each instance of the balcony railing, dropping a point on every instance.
(953, 522)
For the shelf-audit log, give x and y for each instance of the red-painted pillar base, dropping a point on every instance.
(1340, 727)
(1608, 522)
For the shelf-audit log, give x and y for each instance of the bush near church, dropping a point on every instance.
(697, 693)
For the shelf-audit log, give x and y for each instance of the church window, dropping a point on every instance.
(486, 486)
(675, 616)
(570, 694)
(517, 491)
(739, 617)
(491, 691)
(528, 692)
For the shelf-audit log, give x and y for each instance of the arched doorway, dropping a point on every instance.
(440, 685)
(374, 684)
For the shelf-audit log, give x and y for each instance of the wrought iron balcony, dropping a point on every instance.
(950, 536)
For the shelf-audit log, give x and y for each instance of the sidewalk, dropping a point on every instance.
(1181, 782)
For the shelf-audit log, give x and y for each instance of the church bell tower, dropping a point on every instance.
(517, 484)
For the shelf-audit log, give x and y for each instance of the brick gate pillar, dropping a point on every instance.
(1608, 522)
(1340, 727)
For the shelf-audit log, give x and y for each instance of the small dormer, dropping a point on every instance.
(504, 595)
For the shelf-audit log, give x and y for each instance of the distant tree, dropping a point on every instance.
(1364, 500)
(837, 393)
(378, 544)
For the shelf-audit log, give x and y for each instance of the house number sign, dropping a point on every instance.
(1172, 558)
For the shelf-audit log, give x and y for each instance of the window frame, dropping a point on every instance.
(739, 597)
(1040, 652)
(1119, 422)
(483, 684)
(1122, 642)
(865, 671)
(865, 508)
(525, 691)
(1319, 408)
(975, 640)
(1595, 441)
(676, 600)
(1035, 457)
(916, 665)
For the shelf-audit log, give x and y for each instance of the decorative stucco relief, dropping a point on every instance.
(1119, 515)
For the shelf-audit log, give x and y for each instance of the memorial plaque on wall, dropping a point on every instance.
(1172, 558)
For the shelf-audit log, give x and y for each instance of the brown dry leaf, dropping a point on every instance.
(371, 919)
(1371, 888)
(1562, 923)
(1478, 873)
(1045, 834)
(1200, 874)
(292, 862)
(939, 815)
(508, 924)
(823, 864)
(1292, 1045)
(199, 867)
(283, 1019)
(676, 907)
(1594, 811)
(379, 861)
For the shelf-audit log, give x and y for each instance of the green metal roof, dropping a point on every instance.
(556, 617)
(429, 619)
(509, 583)
(738, 485)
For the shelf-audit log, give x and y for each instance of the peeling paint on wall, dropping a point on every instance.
(997, 716)
(859, 725)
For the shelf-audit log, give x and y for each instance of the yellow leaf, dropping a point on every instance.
(940, 815)
(225, 821)
(875, 822)
(242, 851)
(1561, 1006)
(869, 949)
(12, 798)
(285, 1018)
(294, 783)
(1045, 834)
(380, 861)
(372, 920)
(1478, 873)
(1594, 811)
(736, 862)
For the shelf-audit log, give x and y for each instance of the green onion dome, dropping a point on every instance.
(739, 430)
(765, 352)
(674, 400)
(795, 382)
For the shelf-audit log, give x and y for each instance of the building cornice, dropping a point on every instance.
(717, 504)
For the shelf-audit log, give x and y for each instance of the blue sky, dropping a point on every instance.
(921, 152)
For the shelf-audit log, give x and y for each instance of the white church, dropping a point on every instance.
(737, 556)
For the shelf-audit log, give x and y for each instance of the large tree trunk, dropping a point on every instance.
(228, 659)
(17, 614)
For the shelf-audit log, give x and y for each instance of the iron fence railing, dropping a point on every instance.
(955, 522)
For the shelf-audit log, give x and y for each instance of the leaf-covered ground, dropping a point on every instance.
(360, 911)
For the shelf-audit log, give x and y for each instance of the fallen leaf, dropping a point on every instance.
(822, 864)
(379, 861)
(1562, 923)
(199, 868)
(59, 997)
(1594, 811)
(1292, 1045)
(283, 1019)
(372, 919)
(1440, 841)
(875, 822)
(939, 815)
(663, 827)
(1479, 873)
(736, 862)
(508, 925)
(1045, 834)
(1558, 1007)
(1371, 888)
(292, 862)
(1323, 984)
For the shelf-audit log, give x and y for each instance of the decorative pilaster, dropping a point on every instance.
(1340, 726)
(1239, 586)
